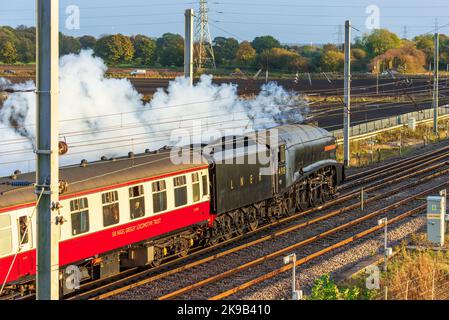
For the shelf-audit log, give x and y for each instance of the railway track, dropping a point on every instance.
(135, 278)
(376, 179)
(315, 254)
(397, 164)
(399, 167)
(307, 245)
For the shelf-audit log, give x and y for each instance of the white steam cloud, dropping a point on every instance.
(105, 117)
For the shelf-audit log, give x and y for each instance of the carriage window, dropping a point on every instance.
(205, 186)
(5, 234)
(136, 202)
(23, 230)
(196, 187)
(180, 191)
(79, 216)
(111, 214)
(159, 196)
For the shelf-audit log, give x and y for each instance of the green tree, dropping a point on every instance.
(312, 56)
(330, 47)
(87, 42)
(332, 61)
(8, 52)
(379, 41)
(68, 44)
(225, 50)
(170, 50)
(444, 51)
(282, 59)
(426, 44)
(359, 59)
(145, 49)
(263, 43)
(115, 49)
(26, 43)
(23, 39)
(245, 53)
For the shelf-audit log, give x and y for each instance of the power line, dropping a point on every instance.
(258, 4)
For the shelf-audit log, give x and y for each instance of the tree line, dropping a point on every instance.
(379, 50)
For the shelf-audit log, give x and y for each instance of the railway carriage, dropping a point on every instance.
(113, 210)
(143, 209)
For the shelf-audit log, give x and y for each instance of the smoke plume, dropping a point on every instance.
(102, 116)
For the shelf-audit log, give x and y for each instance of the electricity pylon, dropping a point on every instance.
(203, 42)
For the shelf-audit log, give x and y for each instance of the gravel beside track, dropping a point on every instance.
(278, 287)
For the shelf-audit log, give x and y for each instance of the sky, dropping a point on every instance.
(291, 21)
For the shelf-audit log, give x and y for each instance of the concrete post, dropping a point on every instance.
(435, 82)
(347, 93)
(188, 46)
(47, 175)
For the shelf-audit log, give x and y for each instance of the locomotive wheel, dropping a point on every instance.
(314, 197)
(275, 211)
(239, 222)
(214, 234)
(325, 193)
(226, 227)
(183, 249)
(289, 205)
(158, 257)
(253, 222)
(302, 200)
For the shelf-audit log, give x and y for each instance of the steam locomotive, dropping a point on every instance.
(143, 209)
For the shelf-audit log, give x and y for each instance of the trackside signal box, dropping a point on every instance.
(436, 212)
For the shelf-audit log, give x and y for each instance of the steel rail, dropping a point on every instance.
(316, 254)
(307, 241)
(401, 170)
(397, 164)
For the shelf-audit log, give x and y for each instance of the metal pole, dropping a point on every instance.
(433, 285)
(377, 77)
(188, 46)
(435, 82)
(347, 93)
(386, 245)
(294, 277)
(362, 199)
(47, 175)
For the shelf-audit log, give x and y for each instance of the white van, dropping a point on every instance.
(136, 72)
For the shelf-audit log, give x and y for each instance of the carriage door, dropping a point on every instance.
(281, 176)
(25, 241)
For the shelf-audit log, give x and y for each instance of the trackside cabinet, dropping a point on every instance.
(436, 211)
